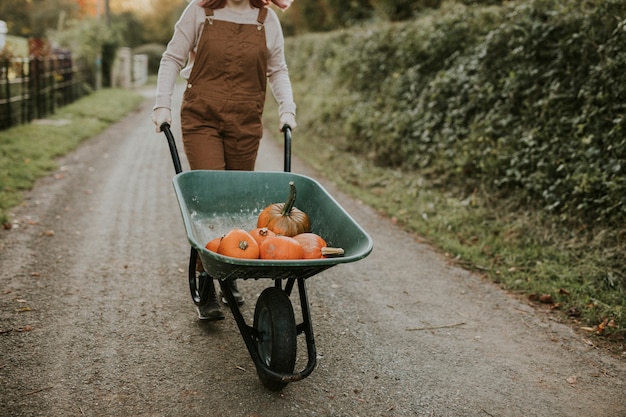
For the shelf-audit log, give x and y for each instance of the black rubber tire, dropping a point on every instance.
(277, 346)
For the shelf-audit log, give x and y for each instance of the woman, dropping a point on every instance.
(226, 50)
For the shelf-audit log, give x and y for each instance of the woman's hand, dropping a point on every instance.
(288, 119)
(161, 115)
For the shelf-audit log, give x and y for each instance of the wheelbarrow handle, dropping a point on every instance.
(287, 131)
(165, 128)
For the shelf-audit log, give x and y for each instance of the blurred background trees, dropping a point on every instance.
(95, 29)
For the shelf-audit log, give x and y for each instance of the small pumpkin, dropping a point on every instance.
(280, 247)
(314, 246)
(261, 233)
(284, 218)
(214, 244)
(238, 243)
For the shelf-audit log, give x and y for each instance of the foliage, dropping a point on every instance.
(514, 112)
(93, 41)
(397, 10)
(159, 21)
(130, 29)
(306, 16)
(528, 105)
(28, 152)
(34, 18)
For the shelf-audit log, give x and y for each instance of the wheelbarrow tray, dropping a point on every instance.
(214, 202)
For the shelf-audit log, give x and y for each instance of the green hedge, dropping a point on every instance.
(526, 101)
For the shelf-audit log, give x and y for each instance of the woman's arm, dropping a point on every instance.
(177, 53)
(277, 72)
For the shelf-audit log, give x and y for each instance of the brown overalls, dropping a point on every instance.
(221, 113)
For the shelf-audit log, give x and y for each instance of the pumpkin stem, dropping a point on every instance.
(326, 251)
(291, 200)
(243, 244)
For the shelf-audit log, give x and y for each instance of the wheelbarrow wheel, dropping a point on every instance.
(276, 325)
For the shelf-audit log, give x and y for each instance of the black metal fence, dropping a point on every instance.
(33, 88)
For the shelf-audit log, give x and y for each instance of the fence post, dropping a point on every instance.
(7, 92)
(26, 99)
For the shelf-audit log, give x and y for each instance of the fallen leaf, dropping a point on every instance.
(546, 299)
(25, 329)
(23, 309)
(602, 325)
(48, 233)
(571, 380)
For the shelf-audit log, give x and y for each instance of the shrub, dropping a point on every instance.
(527, 102)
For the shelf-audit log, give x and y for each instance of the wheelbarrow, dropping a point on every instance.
(214, 202)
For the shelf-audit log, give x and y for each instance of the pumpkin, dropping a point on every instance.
(261, 233)
(314, 246)
(214, 244)
(284, 218)
(280, 247)
(238, 243)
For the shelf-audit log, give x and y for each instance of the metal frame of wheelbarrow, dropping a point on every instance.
(252, 337)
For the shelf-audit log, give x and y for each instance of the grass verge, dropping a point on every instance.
(29, 152)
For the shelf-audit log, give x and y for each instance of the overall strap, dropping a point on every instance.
(209, 15)
(261, 18)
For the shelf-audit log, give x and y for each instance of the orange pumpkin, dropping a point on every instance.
(214, 244)
(314, 246)
(239, 244)
(284, 218)
(261, 233)
(280, 247)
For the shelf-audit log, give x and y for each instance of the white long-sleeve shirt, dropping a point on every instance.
(180, 52)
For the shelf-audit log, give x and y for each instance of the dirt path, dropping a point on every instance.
(96, 318)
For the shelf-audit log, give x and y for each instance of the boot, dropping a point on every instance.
(210, 311)
(233, 287)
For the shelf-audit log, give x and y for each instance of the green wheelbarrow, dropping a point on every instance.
(214, 202)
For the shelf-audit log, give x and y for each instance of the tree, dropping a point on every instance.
(16, 14)
(33, 18)
(160, 20)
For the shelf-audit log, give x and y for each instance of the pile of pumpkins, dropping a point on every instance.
(282, 232)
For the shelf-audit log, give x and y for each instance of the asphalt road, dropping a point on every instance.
(96, 317)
